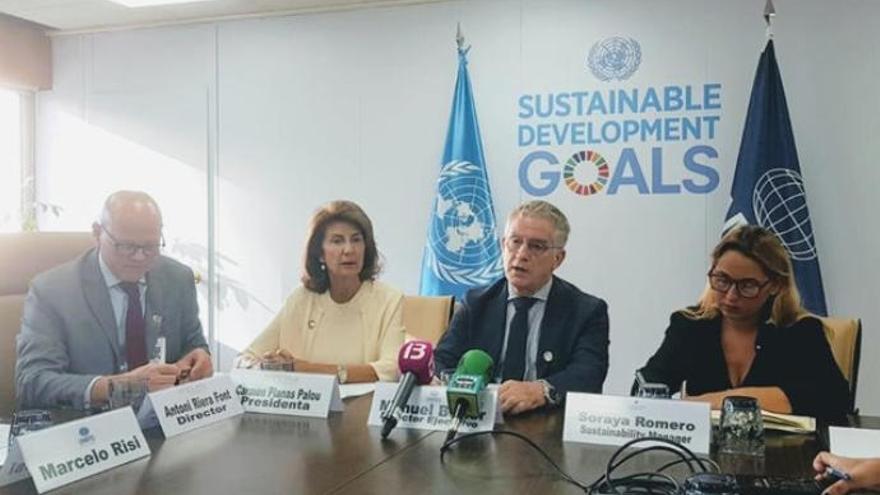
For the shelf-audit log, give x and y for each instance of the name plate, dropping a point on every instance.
(428, 409)
(196, 404)
(290, 394)
(13, 468)
(72, 451)
(610, 420)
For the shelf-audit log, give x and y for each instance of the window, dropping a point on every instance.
(10, 161)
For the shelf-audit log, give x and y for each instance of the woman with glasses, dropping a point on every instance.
(341, 321)
(748, 335)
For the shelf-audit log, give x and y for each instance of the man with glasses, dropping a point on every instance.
(120, 312)
(545, 335)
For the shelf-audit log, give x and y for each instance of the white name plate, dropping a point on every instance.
(291, 394)
(72, 451)
(610, 420)
(427, 409)
(196, 404)
(13, 468)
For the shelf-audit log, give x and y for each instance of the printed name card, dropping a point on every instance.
(428, 409)
(72, 451)
(193, 405)
(291, 394)
(610, 420)
(13, 468)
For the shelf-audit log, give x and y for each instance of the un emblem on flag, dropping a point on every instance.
(614, 58)
(463, 247)
(780, 204)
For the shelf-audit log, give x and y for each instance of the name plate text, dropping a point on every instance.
(428, 409)
(290, 394)
(611, 420)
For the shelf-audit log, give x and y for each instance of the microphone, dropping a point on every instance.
(416, 363)
(473, 373)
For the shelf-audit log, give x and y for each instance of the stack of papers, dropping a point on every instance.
(780, 422)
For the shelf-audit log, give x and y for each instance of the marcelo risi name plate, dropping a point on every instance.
(193, 405)
(291, 394)
(72, 451)
(611, 420)
(428, 409)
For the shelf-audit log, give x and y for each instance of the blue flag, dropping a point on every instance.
(462, 249)
(768, 189)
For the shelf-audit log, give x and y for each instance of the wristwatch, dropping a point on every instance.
(550, 394)
(342, 373)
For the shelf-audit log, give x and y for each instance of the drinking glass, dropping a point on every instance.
(127, 391)
(741, 430)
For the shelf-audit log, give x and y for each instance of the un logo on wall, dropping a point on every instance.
(780, 204)
(614, 58)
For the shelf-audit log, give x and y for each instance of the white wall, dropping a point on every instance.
(302, 110)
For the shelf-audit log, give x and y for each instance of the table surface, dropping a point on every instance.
(268, 454)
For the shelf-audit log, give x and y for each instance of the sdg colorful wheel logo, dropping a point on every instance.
(592, 158)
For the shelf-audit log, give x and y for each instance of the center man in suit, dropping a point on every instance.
(545, 335)
(111, 314)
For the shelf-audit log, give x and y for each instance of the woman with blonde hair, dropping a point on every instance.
(749, 336)
(342, 320)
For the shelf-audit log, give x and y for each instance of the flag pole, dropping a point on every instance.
(769, 14)
(459, 40)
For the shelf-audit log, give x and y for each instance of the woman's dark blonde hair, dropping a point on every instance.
(764, 248)
(314, 276)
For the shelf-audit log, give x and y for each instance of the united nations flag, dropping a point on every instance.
(462, 249)
(768, 189)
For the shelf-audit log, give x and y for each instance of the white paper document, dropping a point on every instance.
(347, 390)
(854, 442)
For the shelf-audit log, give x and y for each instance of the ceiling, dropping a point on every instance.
(96, 15)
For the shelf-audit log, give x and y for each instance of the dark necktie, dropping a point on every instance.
(515, 357)
(135, 338)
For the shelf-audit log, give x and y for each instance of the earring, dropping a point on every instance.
(323, 267)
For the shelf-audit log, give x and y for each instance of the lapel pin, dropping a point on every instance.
(548, 356)
(311, 323)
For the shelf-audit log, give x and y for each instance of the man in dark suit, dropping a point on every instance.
(545, 335)
(121, 310)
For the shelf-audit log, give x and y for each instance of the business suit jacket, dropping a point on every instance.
(69, 335)
(574, 334)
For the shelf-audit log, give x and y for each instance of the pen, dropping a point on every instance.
(835, 473)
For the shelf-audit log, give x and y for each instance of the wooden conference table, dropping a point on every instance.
(267, 454)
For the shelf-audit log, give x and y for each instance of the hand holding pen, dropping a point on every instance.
(846, 474)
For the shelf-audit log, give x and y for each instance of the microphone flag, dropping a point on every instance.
(462, 249)
(768, 189)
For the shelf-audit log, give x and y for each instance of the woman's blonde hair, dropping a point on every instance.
(764, 248)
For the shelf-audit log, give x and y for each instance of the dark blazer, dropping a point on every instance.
(574, 331)
(797, 359)
(68, 334)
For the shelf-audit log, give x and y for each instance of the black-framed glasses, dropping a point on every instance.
(128, 249)
(748, 288)
(533, 247)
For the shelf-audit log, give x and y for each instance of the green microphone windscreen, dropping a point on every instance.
(476, 362)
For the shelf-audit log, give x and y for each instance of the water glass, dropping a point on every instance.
(127, 391)
(741, 430)
(28, 420)
(654, 391)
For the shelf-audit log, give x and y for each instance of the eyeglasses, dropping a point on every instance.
(534, 248)
(129, 250)
(748, 288)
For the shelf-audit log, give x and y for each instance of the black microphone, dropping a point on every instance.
(416, 363)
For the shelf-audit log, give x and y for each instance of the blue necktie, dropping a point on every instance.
(515, 357)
